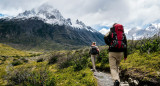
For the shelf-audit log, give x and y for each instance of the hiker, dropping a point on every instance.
(117, 42)
(94, 51)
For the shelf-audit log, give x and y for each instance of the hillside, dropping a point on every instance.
(141, 66)
(6, 50)
(47, 69)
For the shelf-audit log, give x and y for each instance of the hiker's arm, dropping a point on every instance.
(98, 50)
(107, 38)
(125, 50)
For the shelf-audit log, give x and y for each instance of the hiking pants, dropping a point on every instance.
(93, 59)
(114, 61)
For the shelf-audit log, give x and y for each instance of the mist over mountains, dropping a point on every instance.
(45, 27)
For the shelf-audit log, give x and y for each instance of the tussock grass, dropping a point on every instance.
(24, 70)
(6, 50)
(69, 77)
(143, 65)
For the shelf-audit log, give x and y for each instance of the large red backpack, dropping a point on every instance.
(117, 36)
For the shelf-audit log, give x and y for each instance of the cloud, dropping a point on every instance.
(14, 7)
(104, 31)
(130, 13)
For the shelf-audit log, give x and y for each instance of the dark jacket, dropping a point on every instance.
(91, 49)
(108, 40)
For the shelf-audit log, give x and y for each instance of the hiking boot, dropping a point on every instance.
(116, 83)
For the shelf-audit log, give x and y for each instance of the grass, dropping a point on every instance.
(69, 77)
(18, 68)
(142, 65)
(6, 50)
(69, 68)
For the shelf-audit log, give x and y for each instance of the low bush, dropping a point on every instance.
(150, 46)
(40, 60)
(65, 60)
(3, 58)
(53, 58)
(80, 60)
(24, 60)
(69, 77)
(16, 62)
(64, 63)
(143, 65)
(30, 75)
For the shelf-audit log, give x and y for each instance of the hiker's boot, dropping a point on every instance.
(116, 83)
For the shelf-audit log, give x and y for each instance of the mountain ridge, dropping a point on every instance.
(138, 33)
(30, 28)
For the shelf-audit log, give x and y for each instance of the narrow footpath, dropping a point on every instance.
(105, 79)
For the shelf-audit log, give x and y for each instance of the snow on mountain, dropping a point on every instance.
(52, 16)
(139, 33)
(80, 25)
(45, 13)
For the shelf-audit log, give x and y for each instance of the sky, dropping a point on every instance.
(99, 14)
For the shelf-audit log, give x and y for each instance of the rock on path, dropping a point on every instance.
(105, 79)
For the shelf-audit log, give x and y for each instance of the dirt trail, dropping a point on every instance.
(105, 79)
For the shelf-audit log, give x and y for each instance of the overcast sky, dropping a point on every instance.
(95, 13)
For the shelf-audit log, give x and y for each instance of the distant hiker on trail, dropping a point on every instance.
(117, 42)
(94, 51)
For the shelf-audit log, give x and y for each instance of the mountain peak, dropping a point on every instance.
(80, 22)
(46, 13)
(53, 16)
(149, 31)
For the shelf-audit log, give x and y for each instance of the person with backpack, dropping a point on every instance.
(94, 51)
(116, 39)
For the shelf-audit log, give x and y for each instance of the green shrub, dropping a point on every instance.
(150, 45)
(54, 58)
(65, 60)
(142, 65)
(80, 63)
(30, 75)
(64, 64)
(102, 61)
(103, 57)
(40, 60)
(80, 60)
(77, 59)
(16, 62)
(69, 77)
(24, 60)
(78, 67)
(3, 58)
